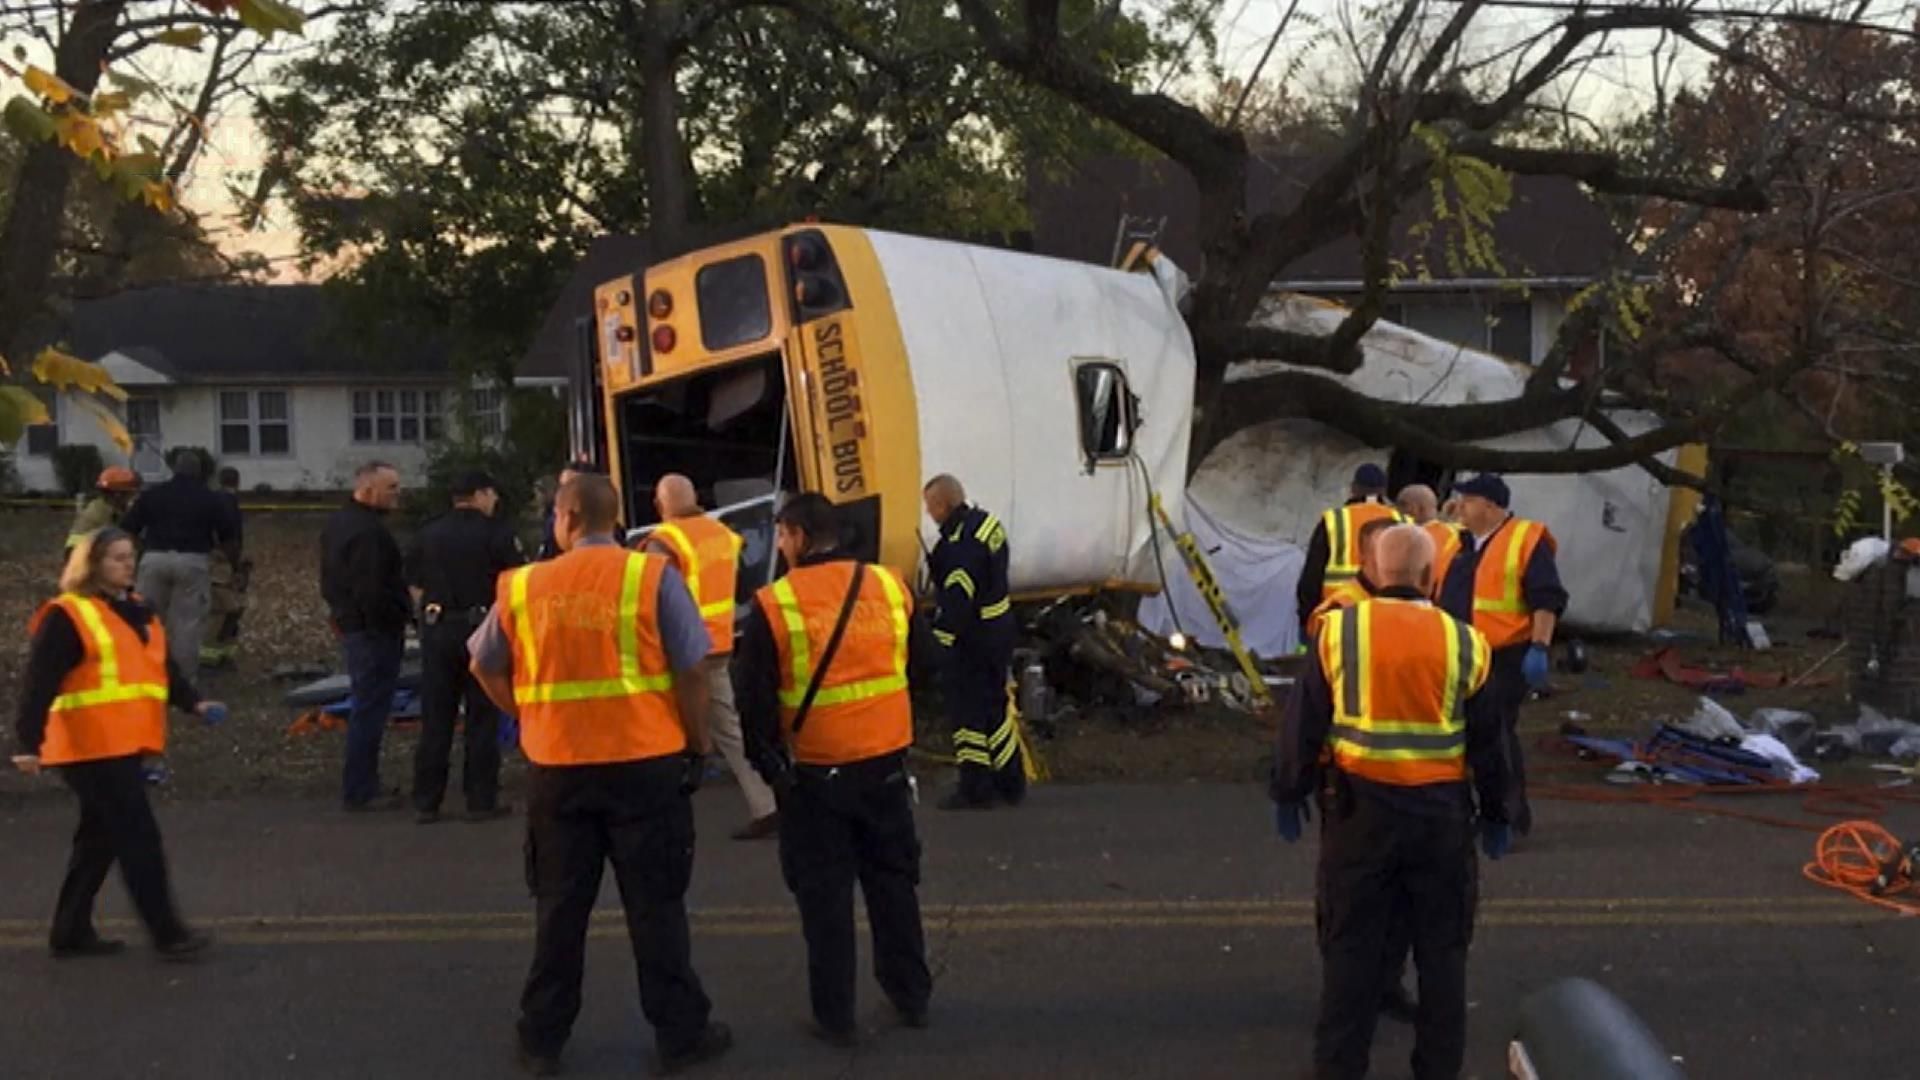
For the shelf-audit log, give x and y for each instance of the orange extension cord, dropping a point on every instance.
(1866, 861)
(1858, 857)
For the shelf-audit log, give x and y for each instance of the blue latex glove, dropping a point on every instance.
(214, 714)
(1536, 666)
(1496, 839)
(1287, 818)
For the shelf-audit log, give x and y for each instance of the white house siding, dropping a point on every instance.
(322, 456)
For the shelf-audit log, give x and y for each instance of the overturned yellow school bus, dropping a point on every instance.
(859, 363)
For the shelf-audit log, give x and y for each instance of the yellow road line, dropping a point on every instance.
(1017, 918)
(1042, 909)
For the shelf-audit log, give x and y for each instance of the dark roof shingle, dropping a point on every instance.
(203, 332)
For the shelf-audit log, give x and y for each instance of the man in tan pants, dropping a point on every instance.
(707, 554)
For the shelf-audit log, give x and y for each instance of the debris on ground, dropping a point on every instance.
(1710, 747)
(1670, 665)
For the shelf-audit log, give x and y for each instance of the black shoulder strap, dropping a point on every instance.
(833, 645)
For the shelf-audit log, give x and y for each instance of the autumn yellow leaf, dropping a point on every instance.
(80, 134)
(158, 194)
(181, 37)
(109, 103)
(48, 85)
(63, 370)
(266, 17)
(18, 409)
(109, 423)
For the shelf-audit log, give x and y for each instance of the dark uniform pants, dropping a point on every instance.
(1380, 867)
(984, 740)
(836, 827)
(116, 825)
(445, 684)
(635, 815)
(1500, 702)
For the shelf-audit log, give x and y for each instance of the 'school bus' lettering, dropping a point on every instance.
(846, 426)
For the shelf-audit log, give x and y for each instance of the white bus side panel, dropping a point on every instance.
(992, 338)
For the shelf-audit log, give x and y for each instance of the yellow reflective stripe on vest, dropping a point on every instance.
(1335, 523)
(111, 689)
(799, 649)
(689, 559)
(802, 650)
(630, 682)
(1460, 665)
(1510, 601)
(522, 625)
(1427, 744)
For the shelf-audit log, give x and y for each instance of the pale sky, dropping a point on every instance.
(1308, 51)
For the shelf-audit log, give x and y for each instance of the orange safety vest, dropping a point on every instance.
(1500, 609)
(708, 556)
(591, 680)
(1343, 525)
(861, 710)
(1401, 672)
(1344, 595)
(1446, 544)
(114, 702)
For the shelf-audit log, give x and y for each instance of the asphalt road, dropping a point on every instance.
(1099, 931)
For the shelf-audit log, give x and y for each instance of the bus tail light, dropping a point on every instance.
(660, 304)
(815, 291)
(663, 339)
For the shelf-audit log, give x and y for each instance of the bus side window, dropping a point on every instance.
(1106, 412)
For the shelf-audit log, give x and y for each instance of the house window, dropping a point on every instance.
(1504, 328)
(488, 411)
(398, 416)
(1511, 335)
(1106, 411)
(143, 420)
(43, 438)
(255, 423)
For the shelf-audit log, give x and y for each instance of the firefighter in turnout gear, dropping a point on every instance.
(975, 629)
(1333, 552)
(599, 653)
(822, 684)
(1382, 733)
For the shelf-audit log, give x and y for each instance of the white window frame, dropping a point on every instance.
(487, 410)
(397, 405)
(252, 422)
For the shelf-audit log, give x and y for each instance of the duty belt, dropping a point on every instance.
(435, 614)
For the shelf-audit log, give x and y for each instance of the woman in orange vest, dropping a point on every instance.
(822, 687)
(97, 689)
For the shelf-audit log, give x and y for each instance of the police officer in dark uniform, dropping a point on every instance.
(451, 570)
(974, 625)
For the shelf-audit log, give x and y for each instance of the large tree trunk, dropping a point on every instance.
(32, 230)
(664, 156)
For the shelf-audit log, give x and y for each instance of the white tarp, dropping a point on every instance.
(1257, 574)
(1268, 485)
